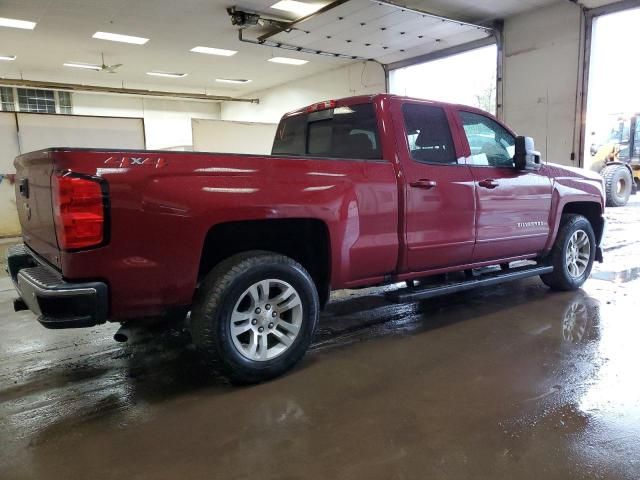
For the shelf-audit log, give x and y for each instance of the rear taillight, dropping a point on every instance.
(79, 211)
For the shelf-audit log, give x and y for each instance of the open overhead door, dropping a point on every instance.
(380, 31)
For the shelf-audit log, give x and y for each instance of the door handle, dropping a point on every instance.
(488, 183)
(424, 183)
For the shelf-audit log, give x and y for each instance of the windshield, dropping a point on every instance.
(620, 132)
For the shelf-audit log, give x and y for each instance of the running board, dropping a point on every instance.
(410, 294)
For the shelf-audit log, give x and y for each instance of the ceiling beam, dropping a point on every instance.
(12, 82)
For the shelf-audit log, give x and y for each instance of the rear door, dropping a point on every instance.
(439, 211)
(512, 216)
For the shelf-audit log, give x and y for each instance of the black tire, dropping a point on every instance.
(560, 278)
(216, 299)
(618, 184)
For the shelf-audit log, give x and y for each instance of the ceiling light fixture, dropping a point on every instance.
(167, 74)
(299, 8)
(86, 66)
(232, 80)
(116, 37)
(13, 23)
(7, 58)
(214, 51)
(288, 61)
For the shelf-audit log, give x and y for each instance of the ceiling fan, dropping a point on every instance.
(109, 68)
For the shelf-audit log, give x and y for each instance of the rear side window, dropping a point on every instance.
(341, 132)
(428, 134)
(290, 136)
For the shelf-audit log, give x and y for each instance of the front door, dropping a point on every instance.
(513, 206)
(438, 191)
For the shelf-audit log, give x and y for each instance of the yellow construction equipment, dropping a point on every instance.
(618, 160)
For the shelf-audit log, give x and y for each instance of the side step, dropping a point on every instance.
(404, 295)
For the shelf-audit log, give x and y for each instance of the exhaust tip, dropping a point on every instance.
(122, 335)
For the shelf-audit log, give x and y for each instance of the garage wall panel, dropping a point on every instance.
(167, 121)
(9, 224)
(43, 131)
(26, 132)
(541, 78)
(8, 142)
(232, 137)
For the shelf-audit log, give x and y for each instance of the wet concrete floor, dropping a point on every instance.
(506, 382)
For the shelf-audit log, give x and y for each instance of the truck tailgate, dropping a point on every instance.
(34, 203)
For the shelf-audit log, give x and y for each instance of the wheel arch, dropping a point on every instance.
(590, 208)
(592, 211)
(305, 240)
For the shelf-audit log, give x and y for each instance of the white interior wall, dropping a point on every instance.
(541, 66)
(354, 79)
(167, 121)
(9, 149)
(36, 131)
(233, 137)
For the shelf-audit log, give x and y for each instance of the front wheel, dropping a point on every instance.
(572, 254)
(254, 316)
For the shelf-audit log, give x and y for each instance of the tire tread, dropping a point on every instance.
(558, 280)
(609, 173)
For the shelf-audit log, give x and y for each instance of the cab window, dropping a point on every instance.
(428, 134)
(341, 132)
(490, 143)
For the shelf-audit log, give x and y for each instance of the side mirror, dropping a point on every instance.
(525, 157)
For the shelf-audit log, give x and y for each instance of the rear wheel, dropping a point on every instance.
(572, 254)
(618, 185)
(254, 316)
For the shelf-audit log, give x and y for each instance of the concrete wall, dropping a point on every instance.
(541, 63)
(353, 79)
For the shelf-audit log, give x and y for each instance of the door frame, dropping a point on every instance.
(586, 33)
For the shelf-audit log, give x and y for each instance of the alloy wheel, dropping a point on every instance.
(578, 253)
(266, 319)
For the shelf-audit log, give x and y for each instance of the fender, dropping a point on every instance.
(559, 203)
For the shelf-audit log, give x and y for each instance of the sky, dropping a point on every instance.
(614, 72)
(455, 79)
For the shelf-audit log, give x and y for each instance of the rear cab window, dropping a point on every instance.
(341, 132)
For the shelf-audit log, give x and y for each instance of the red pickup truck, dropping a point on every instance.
(361, 191)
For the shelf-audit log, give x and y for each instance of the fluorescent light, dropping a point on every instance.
(13, 23)
(167, 74)
(214, 51)
(232, 80)
(7, 58)
(288, 61)
(299, 8)
(116, 37)
(86, 66)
